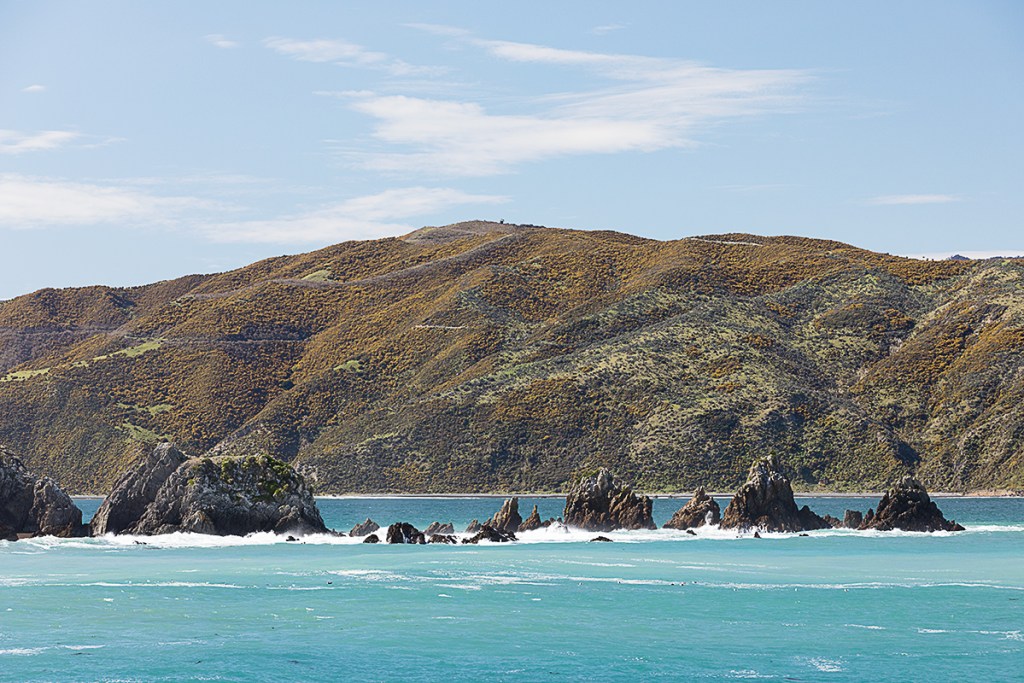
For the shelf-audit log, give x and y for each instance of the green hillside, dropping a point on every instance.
(491, 357)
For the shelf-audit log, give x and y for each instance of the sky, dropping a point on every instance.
(142, 141)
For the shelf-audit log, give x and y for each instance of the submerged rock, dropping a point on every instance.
(231, 496)
(603, 503)
(403, 532)
(534, 522)
(700, 510)
(372, 538)
(600, 539)
(908, 507)
(444, 538)
(766, 502)
(31, 506)
(438, 529)
(506, 519)
(489, 533)
(364, 528)
(136, 489)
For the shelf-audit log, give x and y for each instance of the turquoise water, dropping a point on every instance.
(832, 606)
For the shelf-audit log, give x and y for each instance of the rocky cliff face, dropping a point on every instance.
(31, 506)
(602, 503)
(765, 503)
(221, 495)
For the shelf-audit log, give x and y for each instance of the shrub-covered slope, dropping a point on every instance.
(483, 356)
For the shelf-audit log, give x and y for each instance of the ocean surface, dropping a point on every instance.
(654, 605)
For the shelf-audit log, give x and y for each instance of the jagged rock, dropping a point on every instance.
(443, 538)
(766, 502)
(600, 539)
(372, 538)
(403, 532)
(228, 496)
(602, 503)
(534, 522)
(907, 506)
(852, 519)
(364, 528)
(31, 506)
(474, 527)
(700, 510)
(507, 518)
(489, 533)
(833, 522)
(136, 489)
(438, 529)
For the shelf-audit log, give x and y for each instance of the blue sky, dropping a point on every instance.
(143, 141)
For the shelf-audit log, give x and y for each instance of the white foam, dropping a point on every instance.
(23, 651)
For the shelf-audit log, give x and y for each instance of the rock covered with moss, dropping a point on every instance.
(224, 496)
(31, 506)
(603, 503)
(765, 502)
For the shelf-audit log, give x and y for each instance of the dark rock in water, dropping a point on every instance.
(907, 506)
(443, 538)
(700, 510)
(833, 522)
(232, 496)
(136, 489)
(757, 534)
(869, 518)
(691, 532)
(291, 539)
(507, 518)
(372, 538)
(473, 527)
(852, 519)
(438, 529)
(533, 522)
(403, 532)
(600, 539)
(31, 506)
(766, 503)
(489, 533)
(602, 503)
(364, 528)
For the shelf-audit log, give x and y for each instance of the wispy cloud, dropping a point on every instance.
(971, 254)
(221, 41)
(28, 203)
(35, 87)
(19, 142)
(346, 54)
(607, 28)
(910, 199)
(367, 217)
(649, 104)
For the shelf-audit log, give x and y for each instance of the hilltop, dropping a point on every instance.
(491, 357)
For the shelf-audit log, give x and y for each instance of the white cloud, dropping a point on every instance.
(31, 203)
(34, 88)
(607, 28)
(221, 41)
(18, 142)
(649, 104)
(911, 199)
(344, 53)
(367, 217)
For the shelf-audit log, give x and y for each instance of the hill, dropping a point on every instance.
(490, 357)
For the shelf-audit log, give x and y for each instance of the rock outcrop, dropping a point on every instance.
(229, 496)
(602, 503)
(534, 522)
(766, 503)
(852, 519)
(506, 519)
(372, 538)
(443, 538)
(473, 527)
(438, 529)
(364, 528)
(136, 490)
(403, 532)
(699, 511)
(31, 506)
(489, 533)
(907, 506)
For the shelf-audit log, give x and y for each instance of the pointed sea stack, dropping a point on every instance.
(507, 519)
(907, 506)
(534, 522)
(603, 503)
(136, 489)
(766, 502)
(700, 510)
(31, 506)
(403, 532)
(364, 528)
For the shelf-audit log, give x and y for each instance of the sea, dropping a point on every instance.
(834, 605)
